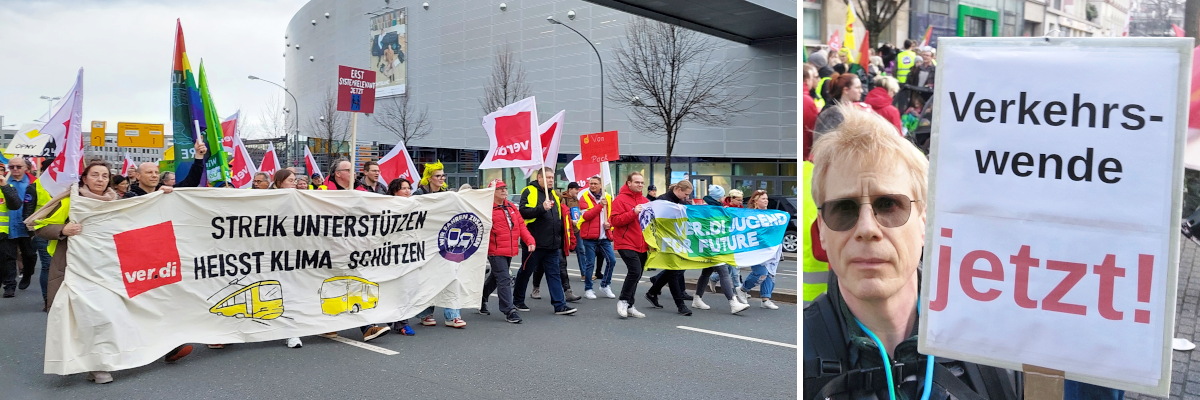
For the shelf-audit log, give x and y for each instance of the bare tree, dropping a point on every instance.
(876, 15)
(273, 122)
(398, 117)
(507, 83)
(332, 128)
(668, 73)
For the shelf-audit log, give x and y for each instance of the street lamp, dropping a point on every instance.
(49, 106)
(295, 147)
(551, 20)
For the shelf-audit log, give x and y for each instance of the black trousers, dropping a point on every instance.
(672, 279)
(635, 263)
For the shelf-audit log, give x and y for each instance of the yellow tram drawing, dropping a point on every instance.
(341, 294)
(258, 300)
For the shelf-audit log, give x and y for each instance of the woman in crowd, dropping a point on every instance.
(733, 199)
(52, 224)
(168, 178)
(120, 185)
(433, 180)
(508, 231)
(843, 88)
(286, 179)
(880, 100)
(764, 271)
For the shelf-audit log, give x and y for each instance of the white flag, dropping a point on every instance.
(551, 135)
(65, 129)
(512, 131)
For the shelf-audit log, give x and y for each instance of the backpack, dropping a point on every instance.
(827, 373)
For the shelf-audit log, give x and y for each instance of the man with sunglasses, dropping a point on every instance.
(18, 238)
(860, 337)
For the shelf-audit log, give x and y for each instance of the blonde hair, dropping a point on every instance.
(866, 139)
(734, 193)
(891, 84)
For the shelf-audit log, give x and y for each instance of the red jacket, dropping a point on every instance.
(627, 230)
(589, 224)
(508, 229)
(882, 104)
(810, 122)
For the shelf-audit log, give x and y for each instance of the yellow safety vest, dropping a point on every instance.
(532, 202)
(905, 61)
(820, 99)
(591, 203)
(815, 272)
(58, 217)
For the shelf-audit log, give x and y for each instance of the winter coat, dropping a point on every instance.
(881, 102)
(550, 228)
(589, 224)
(627, 229)
(508, 230)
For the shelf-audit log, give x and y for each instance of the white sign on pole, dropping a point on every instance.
(28, 141)
(1054, 206)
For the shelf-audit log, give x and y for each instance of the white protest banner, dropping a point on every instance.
(256, 265)
(1054, 207)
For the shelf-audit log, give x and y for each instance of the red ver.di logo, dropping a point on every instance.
(148, 257)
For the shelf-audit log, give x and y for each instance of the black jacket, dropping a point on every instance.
(546, 226)
(191, 180)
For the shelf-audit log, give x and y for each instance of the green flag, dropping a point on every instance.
(217, 165)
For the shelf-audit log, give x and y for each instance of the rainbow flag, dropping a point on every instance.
(186, 110)
(928, 36)
(217, 162)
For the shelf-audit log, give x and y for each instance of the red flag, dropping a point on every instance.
(127, 166)
(1178, 31)
(579, 171)
(864, 52)
(270, 162)
(398, 164)
(512, 134)
(551, 137)
(835, 40)
(241, 169)
(310, 163)
(228, 128)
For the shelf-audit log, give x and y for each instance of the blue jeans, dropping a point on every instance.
(760, 272)
(549, 260)
(448, 313)
(39, 245)
(734, 274)
(589, 251)
(1078, 391)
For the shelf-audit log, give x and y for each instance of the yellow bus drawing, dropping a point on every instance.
(258, 300)
(341, 294)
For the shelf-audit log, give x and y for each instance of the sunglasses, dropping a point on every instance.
(890, 210)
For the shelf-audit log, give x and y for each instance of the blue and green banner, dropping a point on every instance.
(691, 237)
(217, 162)
(186, 111)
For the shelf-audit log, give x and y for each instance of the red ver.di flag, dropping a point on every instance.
(398, 164)
(65, 128)
(513, 136)
(270, 162)
(579, 171)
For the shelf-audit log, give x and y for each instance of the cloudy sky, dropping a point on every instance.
(125, 48)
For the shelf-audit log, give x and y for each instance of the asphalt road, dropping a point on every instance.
(590, 355)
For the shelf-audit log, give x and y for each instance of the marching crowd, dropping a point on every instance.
(541, 227)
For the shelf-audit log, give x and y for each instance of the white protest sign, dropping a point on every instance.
(208, 265)
(1054, 206)
(28, 141)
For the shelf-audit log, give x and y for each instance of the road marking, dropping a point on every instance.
(789, 345)
(362, 345)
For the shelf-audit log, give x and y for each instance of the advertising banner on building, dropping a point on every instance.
(1054, 205)
(389, 52)
(256, 265)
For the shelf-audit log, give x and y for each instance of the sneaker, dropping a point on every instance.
(571, 297)
(10, 292)
(698, 303)
(375, 332)
(589, 294)
(178, 353)
(683, 309)
(521, 307)
(428, 321)
(329, 335)
(623, 309)
(513, 317)
(767, 303)
(565, 311)
(483, 310)
(633, 312)
(537, 293)
(456, 323)
(100, 377)
(653, 298)
(25, 280)
(608, 292)
(216, 346)
(294, 343)
(737, 306)
(741, 295)
(406, 330)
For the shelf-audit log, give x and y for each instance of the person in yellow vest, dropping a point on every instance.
(39, 244)
(905, 61)
(8, 266)
(548, 223)
(595, 238)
